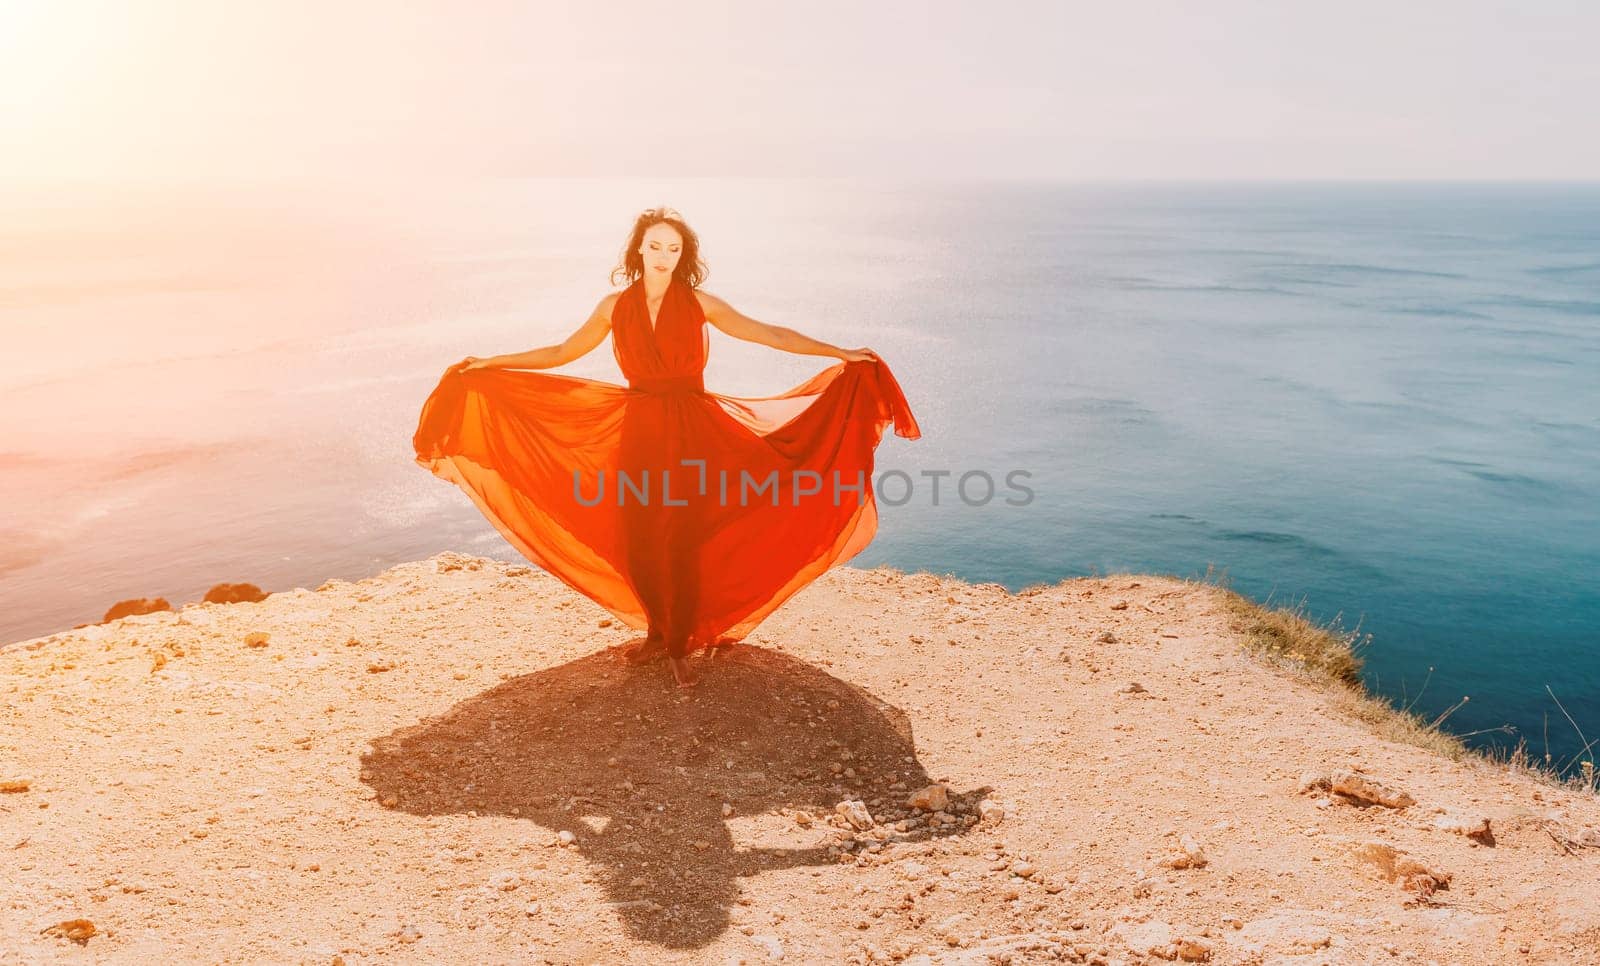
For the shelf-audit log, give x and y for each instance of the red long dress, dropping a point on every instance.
(586, 478)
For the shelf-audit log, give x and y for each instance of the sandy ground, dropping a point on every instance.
(388, 774)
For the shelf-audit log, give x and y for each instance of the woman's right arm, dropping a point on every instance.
(575, 346)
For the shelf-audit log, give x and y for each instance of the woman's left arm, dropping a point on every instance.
(740, 326)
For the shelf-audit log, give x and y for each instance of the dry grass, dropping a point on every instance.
(1329, 657)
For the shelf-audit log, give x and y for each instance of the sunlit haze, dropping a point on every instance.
(1370, 90)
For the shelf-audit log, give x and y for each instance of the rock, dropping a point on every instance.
(855, 812)
(991, 812)
(1106, 637)
(256, 639)
(1353, 785)
(234, 594)
(565, 838)
(933, 798)
(1134, 688)
(130, 607)
(77, 930)
(450, 561)
(1476, 829)
(1312, 781)
(952, 930)
(1120, 605)
(1149, 937)
(1193, 951)
(1189, 854)
(14, 786)
(1024, 869)
(1397, 866)
(912, 869)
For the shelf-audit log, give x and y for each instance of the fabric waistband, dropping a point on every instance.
(690, 383)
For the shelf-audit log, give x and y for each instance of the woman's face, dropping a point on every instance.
(661, 248)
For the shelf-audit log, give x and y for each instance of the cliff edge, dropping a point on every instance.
(450, 761)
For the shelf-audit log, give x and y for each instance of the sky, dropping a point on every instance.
(1227, 89)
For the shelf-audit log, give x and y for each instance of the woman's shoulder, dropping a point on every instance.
(607, 305)
(708, 302)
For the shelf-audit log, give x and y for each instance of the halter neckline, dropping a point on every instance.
(654, 324)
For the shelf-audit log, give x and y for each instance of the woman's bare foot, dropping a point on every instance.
(683, 672)
(652, 648)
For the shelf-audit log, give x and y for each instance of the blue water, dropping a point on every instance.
(1378, 402)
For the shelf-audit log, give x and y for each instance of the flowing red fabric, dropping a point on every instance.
(588, 479)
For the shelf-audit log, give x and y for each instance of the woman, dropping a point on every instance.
(686, 513)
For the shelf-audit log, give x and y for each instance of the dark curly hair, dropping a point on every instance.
(690, 268)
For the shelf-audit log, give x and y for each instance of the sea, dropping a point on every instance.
(1375, 403)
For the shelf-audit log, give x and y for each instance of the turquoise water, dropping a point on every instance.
(1381, 402)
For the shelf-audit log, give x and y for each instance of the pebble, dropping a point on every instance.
(1353, 785)
(1397, 866)
(77, 930)
(933, 798)
(1476, 829)
(1189, 854)
(855, 812)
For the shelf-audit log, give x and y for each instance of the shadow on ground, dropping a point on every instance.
(760, 732)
